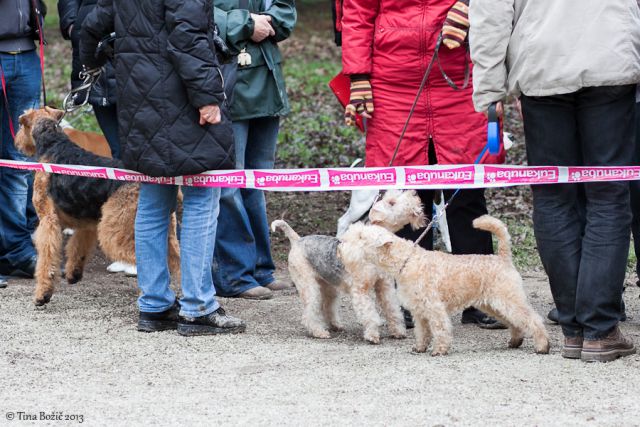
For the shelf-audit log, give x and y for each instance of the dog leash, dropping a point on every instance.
(70, 103)
(37, 12)
(492, 147)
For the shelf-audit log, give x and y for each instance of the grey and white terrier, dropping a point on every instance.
(319, 275)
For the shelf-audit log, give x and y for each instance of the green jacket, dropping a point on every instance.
(260, 90)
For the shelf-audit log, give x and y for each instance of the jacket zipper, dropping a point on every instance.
(20, 29)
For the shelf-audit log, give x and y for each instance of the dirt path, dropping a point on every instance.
(82, 355)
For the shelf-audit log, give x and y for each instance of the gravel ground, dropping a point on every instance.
(81, 355)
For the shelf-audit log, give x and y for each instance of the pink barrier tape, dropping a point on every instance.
(329, 179)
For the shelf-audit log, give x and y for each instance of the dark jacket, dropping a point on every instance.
(18, 25)
(166, 69)
(260, 90)
(73, 12)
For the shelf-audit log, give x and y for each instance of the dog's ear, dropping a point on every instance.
(27, 117)
(418, 218)
(383, 239)
(55, 113)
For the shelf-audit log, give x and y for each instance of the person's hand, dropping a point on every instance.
(210, 114)
(262, 27)
(519, 108)
(360, 100)
(499, 110)
(456, 26)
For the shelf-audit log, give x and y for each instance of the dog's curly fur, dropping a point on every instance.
(432, 284)
(98, 210)
(319, 275)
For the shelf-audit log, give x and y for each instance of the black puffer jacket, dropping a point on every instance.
(73, 12)
(166, 69)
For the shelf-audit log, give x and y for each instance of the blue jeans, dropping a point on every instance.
(242, 258)
(199, 222)
(583, 232)
(17, 216)
(107, 118)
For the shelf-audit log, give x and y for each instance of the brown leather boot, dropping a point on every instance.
(257, 293)
(609, 348)
(572, 347)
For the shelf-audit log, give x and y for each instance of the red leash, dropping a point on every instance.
(38, 16)
(6, 102)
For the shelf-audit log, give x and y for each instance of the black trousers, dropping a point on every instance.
(634, 186)
(583, 240)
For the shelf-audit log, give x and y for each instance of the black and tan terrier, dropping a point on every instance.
(98, 210)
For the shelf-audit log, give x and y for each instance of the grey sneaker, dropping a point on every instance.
(215, 323)
(3, 282)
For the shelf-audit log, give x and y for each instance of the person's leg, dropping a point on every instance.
(107, 118)
(17, 253)
(197, 239)
(607, 133)
(151, 234)
(634, 187)
(261, 154)
(234, 258)
(463, 209)
(552, 139)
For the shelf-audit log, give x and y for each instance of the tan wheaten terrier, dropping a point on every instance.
(432, 285)
(319, 275)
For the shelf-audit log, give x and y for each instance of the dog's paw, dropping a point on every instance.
(337, 327)
(74, 277)
(543, 349)
(515, 342)
(418, 349)
(398, 335)
(42, 299)
(321, 334)
(372, 338)
(440, 351)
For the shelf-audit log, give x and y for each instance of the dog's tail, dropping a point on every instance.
(496, 227)
(288, 231)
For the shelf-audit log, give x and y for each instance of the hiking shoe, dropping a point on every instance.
(257, 293)
(483, 320)
(215, 323)
(162, 321)
(553, 316)
(572, 348)
(277, 285)
(27, 269)
(3, 282)
(607, 349)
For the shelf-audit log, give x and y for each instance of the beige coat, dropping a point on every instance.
(552, 47)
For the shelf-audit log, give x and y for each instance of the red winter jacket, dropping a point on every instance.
(393, 41)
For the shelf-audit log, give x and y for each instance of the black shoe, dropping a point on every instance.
(484, 321)
(27, 269)
(3, 282)
(553, 315)
(215, 323)
(156, 322)
(408, 319)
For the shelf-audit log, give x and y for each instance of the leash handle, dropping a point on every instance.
(493, 130)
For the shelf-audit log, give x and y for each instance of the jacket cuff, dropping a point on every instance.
(359, 77)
